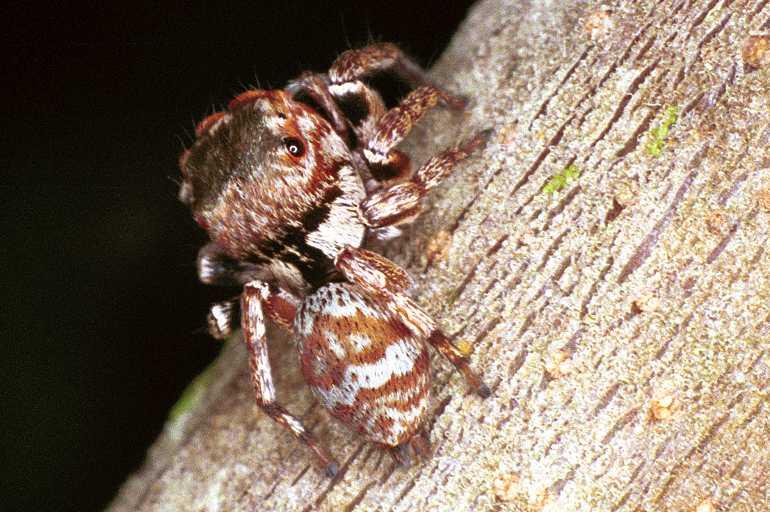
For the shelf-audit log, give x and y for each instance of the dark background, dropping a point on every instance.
(101, 311)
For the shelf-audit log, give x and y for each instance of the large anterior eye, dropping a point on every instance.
(294, 146)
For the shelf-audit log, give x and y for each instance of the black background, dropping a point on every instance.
(101, 311)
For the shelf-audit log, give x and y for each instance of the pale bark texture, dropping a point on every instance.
(606, 258)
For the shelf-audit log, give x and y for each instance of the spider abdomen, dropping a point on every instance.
(365, 366)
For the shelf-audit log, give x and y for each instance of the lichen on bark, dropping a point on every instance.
(622, 322)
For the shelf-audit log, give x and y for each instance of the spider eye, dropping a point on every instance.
(294, 146)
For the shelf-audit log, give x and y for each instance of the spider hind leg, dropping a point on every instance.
(417, 447)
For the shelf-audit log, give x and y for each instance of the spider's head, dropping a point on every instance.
(259, 167)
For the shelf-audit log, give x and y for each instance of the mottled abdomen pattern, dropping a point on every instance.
(366, 367)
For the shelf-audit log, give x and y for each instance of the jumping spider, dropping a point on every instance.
(290, 185)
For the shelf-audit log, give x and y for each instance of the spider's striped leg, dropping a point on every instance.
(218, 269)
(365, 110)
(440, 342)
(380, 132)
(395, 125)
(255, 300)
(417, 446)
(401, 203)
(316, 87)
(381, 57)
(215, 268)
(382, 278)
(225, 317)
(351, 106)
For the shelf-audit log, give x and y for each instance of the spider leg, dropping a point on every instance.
(418, 446)
(382, 278)
(365, 109)
(255, 300)
(217, 269)
(446, 348)
(223, 318)
(353, 110)
(401, 203)
(316, 87)
(379, 132)
(392, 127)
(380, 57)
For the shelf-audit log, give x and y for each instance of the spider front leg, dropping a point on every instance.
(255, 300)
(316, 87)
(396, 124)
(380, 132)
(217, 269)
(380, 57)
(401, 203)
(223, 318)
(382, 278)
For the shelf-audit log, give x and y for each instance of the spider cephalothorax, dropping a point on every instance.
(273, 184)
(290, 184)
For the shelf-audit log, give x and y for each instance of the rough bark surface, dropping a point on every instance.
(606, 258)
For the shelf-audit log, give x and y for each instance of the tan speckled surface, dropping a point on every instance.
(624, 323)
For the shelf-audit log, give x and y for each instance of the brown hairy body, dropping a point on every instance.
(290, 184)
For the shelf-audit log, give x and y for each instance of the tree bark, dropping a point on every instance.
(607, 260)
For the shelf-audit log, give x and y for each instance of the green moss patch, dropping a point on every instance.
(656, 137)
(561, 180)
